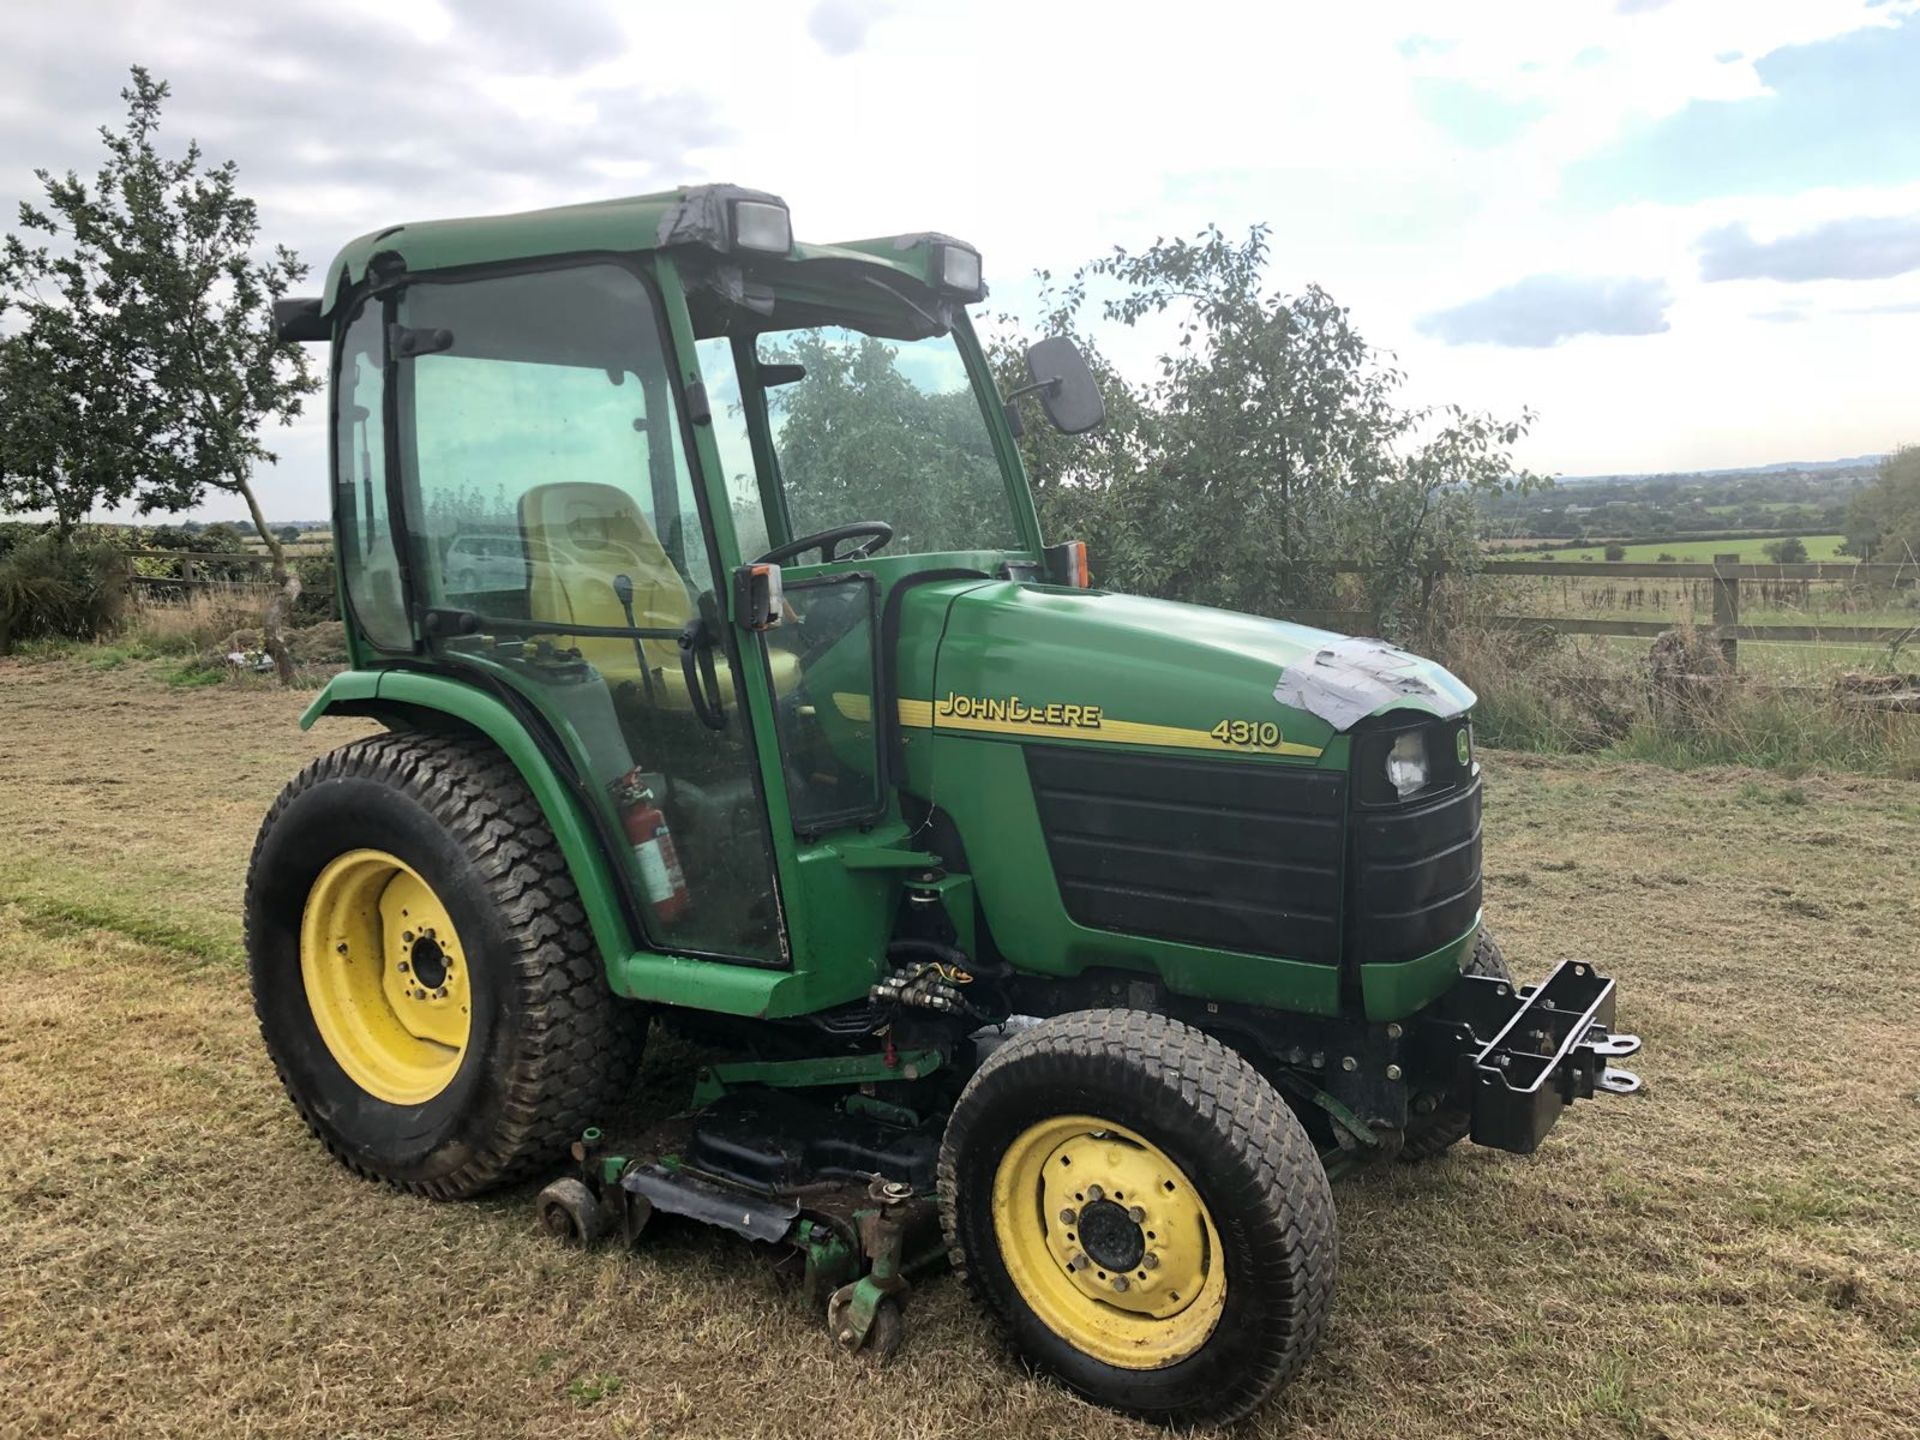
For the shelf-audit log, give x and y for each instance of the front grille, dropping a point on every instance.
(1416, 875)
(1229, 854)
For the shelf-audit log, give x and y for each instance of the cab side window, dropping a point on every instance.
(368, 558)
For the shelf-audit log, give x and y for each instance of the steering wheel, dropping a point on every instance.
(825, 540)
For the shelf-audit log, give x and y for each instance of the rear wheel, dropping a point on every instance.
(422, 970)
(1450, 1121)
(1141, 1214)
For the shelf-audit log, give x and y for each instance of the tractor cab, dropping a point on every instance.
(658, 498)
(727, 684)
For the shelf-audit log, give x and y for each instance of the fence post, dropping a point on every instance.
(1726, 609)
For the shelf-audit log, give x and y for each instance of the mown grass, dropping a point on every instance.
(1734, 1253)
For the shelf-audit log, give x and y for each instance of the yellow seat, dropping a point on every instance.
(579, 537)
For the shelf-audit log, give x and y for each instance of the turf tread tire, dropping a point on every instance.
(573, 1047)
(1453, 1120)
(1264, 1182)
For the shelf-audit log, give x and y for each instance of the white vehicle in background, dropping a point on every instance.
(477, 563)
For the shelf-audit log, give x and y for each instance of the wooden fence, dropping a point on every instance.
(1727, 572)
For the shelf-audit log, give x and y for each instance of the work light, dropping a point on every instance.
(1407, 767)
(762, 225)
(959, 270)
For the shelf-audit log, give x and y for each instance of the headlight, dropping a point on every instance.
(762, 225)
(1407, 766)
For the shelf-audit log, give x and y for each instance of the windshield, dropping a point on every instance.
(891, 430)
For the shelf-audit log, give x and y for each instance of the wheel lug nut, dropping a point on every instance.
(1067, 1217)
(1119, 1282)
(1078, 1262)
(404, 967)
(441, 993)
(1149, 1261)
(1136, 1214)
(341, 947)
(1094, 1192)
(406, 937)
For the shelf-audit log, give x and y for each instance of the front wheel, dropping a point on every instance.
(422, 971)
(1141, 1214)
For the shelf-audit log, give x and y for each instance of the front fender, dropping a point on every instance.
(392, 696)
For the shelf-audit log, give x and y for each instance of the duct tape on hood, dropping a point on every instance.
(1353, 678)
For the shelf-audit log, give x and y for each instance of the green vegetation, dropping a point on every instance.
(141, 291)
(1274, 440)
(54, 588)
(1884, 520)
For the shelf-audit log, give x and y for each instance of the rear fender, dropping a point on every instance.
(404, 699)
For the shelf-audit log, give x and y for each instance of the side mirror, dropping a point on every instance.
(759, 596)
(1068, 392)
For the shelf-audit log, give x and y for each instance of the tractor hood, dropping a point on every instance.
(1048, 663)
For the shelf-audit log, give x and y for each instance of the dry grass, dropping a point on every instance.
(1736, 1253)
(197, 621)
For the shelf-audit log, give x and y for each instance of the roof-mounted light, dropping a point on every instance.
(956, 270)
(763, 226)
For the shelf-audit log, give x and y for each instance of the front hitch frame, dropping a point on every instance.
(1527, 1052)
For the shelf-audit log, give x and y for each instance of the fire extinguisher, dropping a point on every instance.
(661, 879)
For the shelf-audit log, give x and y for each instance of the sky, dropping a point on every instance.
(1684, 233)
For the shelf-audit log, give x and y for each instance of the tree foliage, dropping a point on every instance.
(1270, 443)
(1790, 551)
(144, 369)
(1883, 522)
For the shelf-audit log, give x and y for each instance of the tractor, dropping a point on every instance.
(728, 690)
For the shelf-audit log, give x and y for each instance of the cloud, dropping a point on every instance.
(552, 38)
(1785, 315)
(1897, 307)
(1638, 7)
(1472, 116)
(341, 120)
(1412, 47)
(1842, 111)
(1544, 310)
(840, 26)
(1869, 247)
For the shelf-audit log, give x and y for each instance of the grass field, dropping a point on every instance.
(1751, 552)
(1734, 1253)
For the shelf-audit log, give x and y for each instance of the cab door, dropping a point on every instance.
(559, 552)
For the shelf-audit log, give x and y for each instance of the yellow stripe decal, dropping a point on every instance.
(1087, 724)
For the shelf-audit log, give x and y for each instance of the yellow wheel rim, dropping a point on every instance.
(1108, 1242)
(386, 977)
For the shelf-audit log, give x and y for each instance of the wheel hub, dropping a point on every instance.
(386, 977)
(1109, 1242)
(1110, 1237)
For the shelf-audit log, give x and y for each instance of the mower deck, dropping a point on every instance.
(851, 1195)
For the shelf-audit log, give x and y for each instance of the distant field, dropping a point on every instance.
(1751, 552)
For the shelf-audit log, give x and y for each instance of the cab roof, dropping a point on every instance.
(694, 216)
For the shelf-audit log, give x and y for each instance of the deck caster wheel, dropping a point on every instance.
(569, 1213)
(886, 1331)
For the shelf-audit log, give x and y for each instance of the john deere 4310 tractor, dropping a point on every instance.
(728, 686)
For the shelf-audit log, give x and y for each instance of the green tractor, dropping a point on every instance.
(728, 687)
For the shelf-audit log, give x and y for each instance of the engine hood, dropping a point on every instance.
(1046, 663)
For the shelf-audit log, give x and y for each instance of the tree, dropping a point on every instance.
(148, 340)
(1616, 551)
(1791, 551)
(288, 534)
(1270, 444)
(1883, 519)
